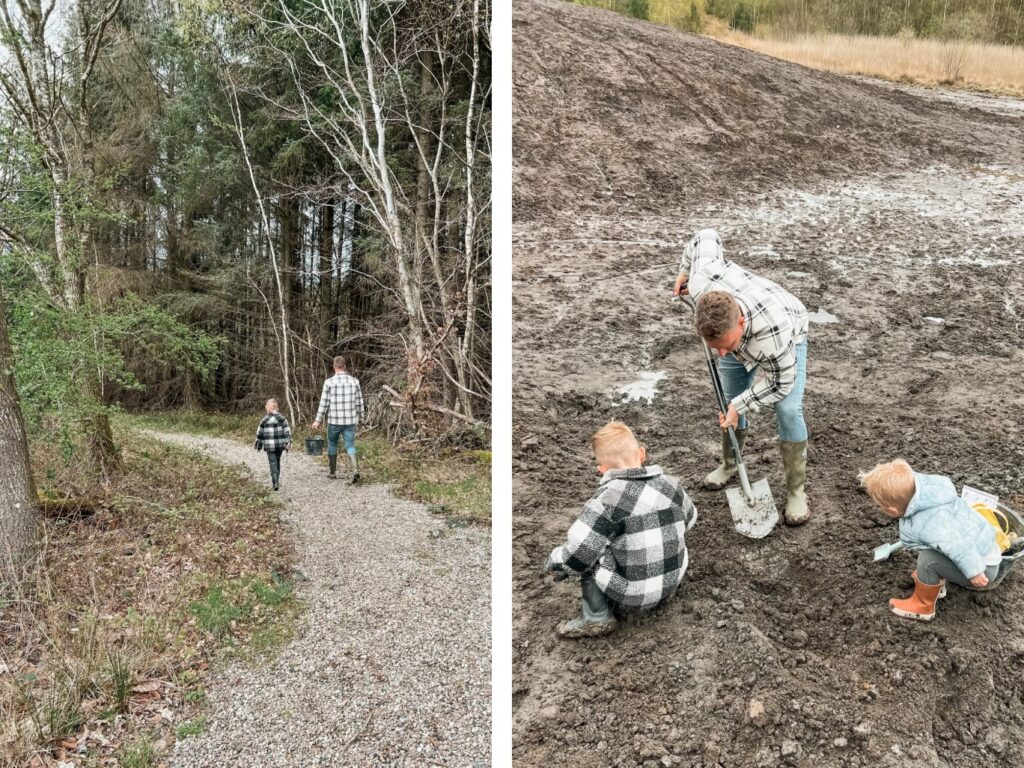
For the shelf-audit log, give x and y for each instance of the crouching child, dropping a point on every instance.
(628, 544)
(953, 541)
(273, 436)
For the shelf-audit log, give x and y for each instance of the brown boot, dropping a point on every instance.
(942, 584)
(794, 459)
(920, 606)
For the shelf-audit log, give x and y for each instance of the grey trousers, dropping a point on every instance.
(274, 458)
(933, 567)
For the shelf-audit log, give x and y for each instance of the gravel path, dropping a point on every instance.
(391, 664)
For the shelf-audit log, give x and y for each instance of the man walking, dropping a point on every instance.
(342, 403)
(754, 325)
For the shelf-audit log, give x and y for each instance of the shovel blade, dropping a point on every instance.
(885, 550)
(754, 520)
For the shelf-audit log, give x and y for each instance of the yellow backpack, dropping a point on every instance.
(995, 518)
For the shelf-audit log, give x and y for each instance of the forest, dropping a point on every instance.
(202, 203)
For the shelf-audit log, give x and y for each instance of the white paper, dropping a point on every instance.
(974, 496)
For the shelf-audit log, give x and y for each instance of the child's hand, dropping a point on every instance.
(981, 580)
(680, 288)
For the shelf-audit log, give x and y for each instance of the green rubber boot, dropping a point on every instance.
(595, 618)
(355, 468)
(794, 459)
(333, 461)
(727, 469)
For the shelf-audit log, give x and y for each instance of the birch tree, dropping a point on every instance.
(350, 61)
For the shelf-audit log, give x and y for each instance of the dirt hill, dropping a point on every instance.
(898, 219)
(615, 112)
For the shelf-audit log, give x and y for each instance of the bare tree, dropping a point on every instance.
(362, 52)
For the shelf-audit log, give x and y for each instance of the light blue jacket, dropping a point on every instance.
(937, 518)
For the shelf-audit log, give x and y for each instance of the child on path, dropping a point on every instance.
(273, 436)
(953, 541)
(627, 545)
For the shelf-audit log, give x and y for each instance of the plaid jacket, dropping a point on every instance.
(776, 320)
(631, 534)
(341, 400)
(273, 433)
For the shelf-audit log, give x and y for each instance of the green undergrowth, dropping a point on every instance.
(176, 566)
(455, 483)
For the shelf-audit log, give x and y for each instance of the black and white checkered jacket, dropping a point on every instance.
(631, 534)
(341, 400)
(776, 320)
(273, 434)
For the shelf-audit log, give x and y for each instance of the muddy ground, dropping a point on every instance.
(903, 231)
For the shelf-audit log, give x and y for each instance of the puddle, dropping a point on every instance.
(822, 316)
(936, 320)
(644, 388)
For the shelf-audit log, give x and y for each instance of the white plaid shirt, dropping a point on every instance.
(776, 320)
(341, 400)
(631, 533)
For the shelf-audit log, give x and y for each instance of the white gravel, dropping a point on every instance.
(391, 661)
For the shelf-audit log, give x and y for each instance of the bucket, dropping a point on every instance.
(314, 446)
(1013, 554)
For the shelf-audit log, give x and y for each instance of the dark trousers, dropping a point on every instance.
(274, 457)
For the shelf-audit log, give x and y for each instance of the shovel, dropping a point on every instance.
(885, 550)
(752, 507)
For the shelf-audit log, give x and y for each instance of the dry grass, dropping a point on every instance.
(104, 646)
(978, 66)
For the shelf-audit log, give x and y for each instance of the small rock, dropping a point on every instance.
(840, 743)
(862, 730)
(755, 711)
(790, 748)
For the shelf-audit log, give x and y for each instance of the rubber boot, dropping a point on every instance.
(794, 459)
(942, 584)
(725, 471)
(355, 468)
(920, 606)
(595, 618)
(333, 461)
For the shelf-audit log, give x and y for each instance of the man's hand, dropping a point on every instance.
(981, 580)
(315, 425)
(730, 419)
(679, 288)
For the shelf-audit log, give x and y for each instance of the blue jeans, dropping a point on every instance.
(334, 431)
(789, 411)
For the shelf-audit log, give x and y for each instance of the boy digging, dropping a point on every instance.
(952, 540)
(627, 545)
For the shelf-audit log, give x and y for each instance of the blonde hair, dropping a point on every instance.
(890, 484)
(615, 445)
(271, 400)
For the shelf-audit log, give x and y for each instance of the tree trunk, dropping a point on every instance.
(326, 275)
(19, 509)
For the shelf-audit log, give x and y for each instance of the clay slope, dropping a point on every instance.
(611, 113)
